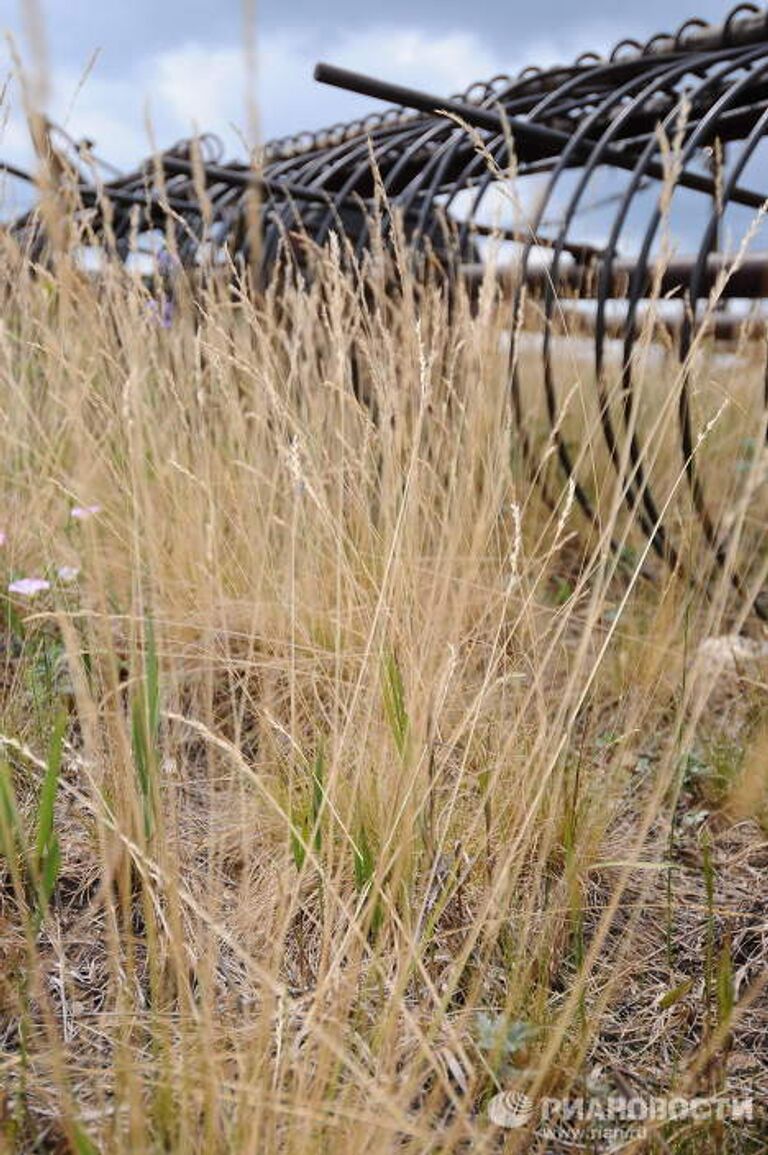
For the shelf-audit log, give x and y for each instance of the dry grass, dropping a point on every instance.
(383, 787)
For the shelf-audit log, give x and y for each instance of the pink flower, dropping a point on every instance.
(68, 573)
(83, 512)
(28, 587)
(3, 538)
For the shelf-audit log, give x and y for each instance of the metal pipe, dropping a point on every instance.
(747, 280)
(522, 130)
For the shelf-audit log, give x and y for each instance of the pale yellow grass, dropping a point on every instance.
(407, 818)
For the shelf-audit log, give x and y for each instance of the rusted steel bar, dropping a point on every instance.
(243, 178)
(531, 135)
(746, 279)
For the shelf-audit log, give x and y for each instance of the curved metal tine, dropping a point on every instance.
(279, 216)
(594, 94)
(603, 294)
(686, 339)
(276, 215)
(496, 147)
(476, 162)
(314, 174)
(639, 276)
(563, 453)
(497, 151)
(155, 210)
(524, 130)
(734, 124)
(550, 300)
(313, 168)
(278, 227)
(19, 173)
(521, 95)
(362, 170)
(530, 241)
(220, 196)
(298, 161)
(224, 187)
(133, 189)
(277, 199)
(551, 400)
(325, 167)
(658, 74)
(184, 213)
(650, 519)
(408, 119)
(434, 173)
(433, 130)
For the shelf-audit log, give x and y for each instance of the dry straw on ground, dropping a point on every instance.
(383, 787)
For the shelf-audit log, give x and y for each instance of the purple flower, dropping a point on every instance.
(3, 538)
(166, 313)
(166, 262)
(28, 587)
(83, 512)
(161, 312)
(68, 573)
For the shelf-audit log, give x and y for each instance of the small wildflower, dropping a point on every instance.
(161, 312)
(83, 512)
(166, 262)
(3, 538)
(166, 313)
(68, 573)
(28, 587)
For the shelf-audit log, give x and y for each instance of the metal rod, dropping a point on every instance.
(747, 280)
(244, 178)
(522, 130)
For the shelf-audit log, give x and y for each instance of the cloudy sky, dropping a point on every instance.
(110, 69)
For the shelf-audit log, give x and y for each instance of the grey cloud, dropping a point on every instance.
(127, 31)
(173, 52)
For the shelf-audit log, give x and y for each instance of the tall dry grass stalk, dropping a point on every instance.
(375, 794)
